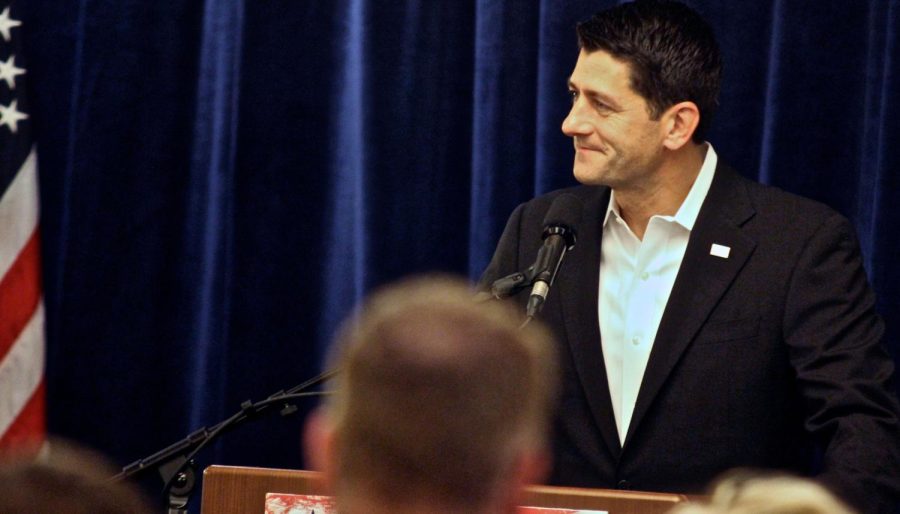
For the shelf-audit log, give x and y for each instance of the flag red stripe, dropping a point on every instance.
(27, 431)
(20, 292)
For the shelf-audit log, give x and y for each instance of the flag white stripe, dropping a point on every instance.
(18, 213)
(22, 370)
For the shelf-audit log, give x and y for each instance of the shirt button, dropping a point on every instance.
(645, 275)
(635, 340)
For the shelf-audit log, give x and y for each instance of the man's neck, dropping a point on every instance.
(664, 192)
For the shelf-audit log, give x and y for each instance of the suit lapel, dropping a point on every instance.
(701, 281)
(580, 314)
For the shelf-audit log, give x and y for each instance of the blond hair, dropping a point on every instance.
(744, 492)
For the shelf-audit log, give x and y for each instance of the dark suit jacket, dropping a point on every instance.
(770, 358)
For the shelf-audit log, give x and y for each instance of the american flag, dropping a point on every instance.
(22, 417)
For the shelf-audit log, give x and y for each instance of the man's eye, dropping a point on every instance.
(573, 95)
(600, 106)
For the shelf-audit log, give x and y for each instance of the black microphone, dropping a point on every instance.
(560, 225)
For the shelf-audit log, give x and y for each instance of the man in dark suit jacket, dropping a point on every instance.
(706, 321)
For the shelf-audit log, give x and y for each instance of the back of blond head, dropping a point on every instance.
(743, 492)
(437, 394)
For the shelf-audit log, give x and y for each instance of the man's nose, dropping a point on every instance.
(576, 124)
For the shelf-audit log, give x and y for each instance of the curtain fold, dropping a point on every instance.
(881, 170)
(347, 247)
(209, 218)
(773, 79)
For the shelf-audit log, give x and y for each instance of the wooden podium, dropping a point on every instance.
(241, 490)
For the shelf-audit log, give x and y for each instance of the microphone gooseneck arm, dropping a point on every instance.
(175, 462)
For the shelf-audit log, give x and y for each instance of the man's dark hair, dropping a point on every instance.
(672, 52)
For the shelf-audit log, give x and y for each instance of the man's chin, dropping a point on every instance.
(588, 177)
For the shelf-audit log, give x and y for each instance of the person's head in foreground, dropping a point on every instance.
(65, 479)
(743, 492)
(440, 405)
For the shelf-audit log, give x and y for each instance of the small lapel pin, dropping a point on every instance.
(720, 251)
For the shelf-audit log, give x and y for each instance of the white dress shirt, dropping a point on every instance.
(636, 278)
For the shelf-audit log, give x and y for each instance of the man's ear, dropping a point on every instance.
(320, 446)
(534, 466)
(530, 467)
(679, 122)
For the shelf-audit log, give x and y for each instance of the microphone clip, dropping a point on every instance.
(538, 274)
(511, 284)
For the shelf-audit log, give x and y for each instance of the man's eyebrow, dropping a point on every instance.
(608, 100)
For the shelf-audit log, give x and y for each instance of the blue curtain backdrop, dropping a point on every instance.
(222, 180)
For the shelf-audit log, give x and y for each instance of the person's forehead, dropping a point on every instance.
(600, 65)
(600, 74)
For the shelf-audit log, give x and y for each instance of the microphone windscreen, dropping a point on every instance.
(565, 211)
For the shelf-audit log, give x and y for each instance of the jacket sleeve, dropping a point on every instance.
(844, 373)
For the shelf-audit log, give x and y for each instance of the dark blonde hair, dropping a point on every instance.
(65, 479)
(437, 394)
(748, 492)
